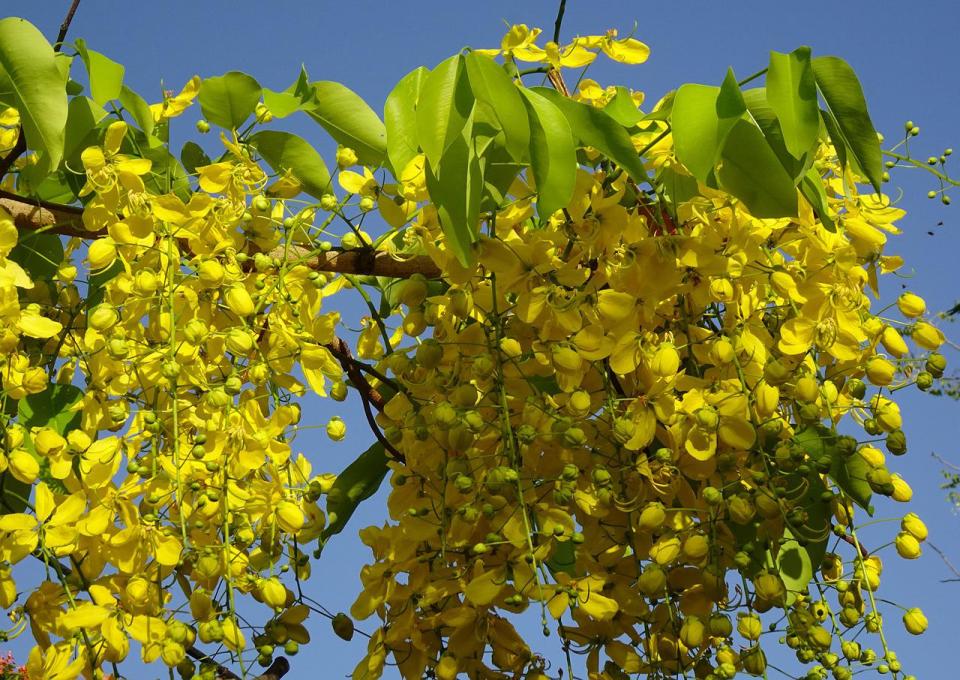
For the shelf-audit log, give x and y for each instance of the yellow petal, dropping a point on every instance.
(485, 588)
(86, 615)
(627, 51)
(36, 326)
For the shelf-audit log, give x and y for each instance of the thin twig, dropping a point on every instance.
(368, 394)
(947, 562)
(65, 26)
(559, 21)
(945, 462)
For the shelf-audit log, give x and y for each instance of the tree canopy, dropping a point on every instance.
(622, 364)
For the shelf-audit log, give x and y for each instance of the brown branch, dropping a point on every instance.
(30, 214)
(18, 150)
(65, 26)
(864, 553)
(368, 393)
(277, 669)
(363, 261)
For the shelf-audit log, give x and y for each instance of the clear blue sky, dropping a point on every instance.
(906, 55)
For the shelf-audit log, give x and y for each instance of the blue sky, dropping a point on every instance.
(907, 61)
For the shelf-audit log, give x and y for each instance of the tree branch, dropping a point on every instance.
(363, 261)
(368, 394)
(277, 669)
(65, 26)
(30, 214)
(18, 149)
(864, 553)
(559, 21)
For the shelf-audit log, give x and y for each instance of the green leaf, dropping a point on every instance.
(751, 171)
(193, 156)
(137, 107)
(286, 151)
(794, 565)
(835, 135)
(563, 559)
(844, 96)
(14, 494)
(105, 75)
(83, 116)
(623, 109)
(166, 174)
(51, 408)
(553, 156)
(281, 104)
(811, 186)
(39, 254)
(764, 115)
(792, 93)
(456, 187)
(96, 285)
(400, 119)
(350, 121)
(355, 484)
(592, 127)
(35, 85)
(443, 108)
(491, 84)
(850, 474)
(228, 100)
(699, 129)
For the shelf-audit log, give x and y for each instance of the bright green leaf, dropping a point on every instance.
(105, 75)
(444, 105)
(281, 104)
(36, 86)
(844, 96)
(792, 93)
(850, 474)
(764, 115)
(491, 84)
(553, 157)
(595, 128)
(811, 186)
(355, 484)
(751, 171)
(193, 156)
(400, 119)
(699, 131)
(456, 187)
(563, 559)
(39, 254)
(83, 115)
(350, 121)
(623, 109)
(51, 408)
(286, 151)
(137, 107)
(794, 565)
(228, 100)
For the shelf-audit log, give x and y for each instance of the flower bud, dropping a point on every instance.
(102, 253)
(749, 626)
(239, 300)
(914, 621)
(927, 336)
(666, 361)
(211, 273)
(289, 516)
(880, 371)
(911, 305)
(914, 526)
(346, 157)
(893, 342)
(336, 429)
(908, 547)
